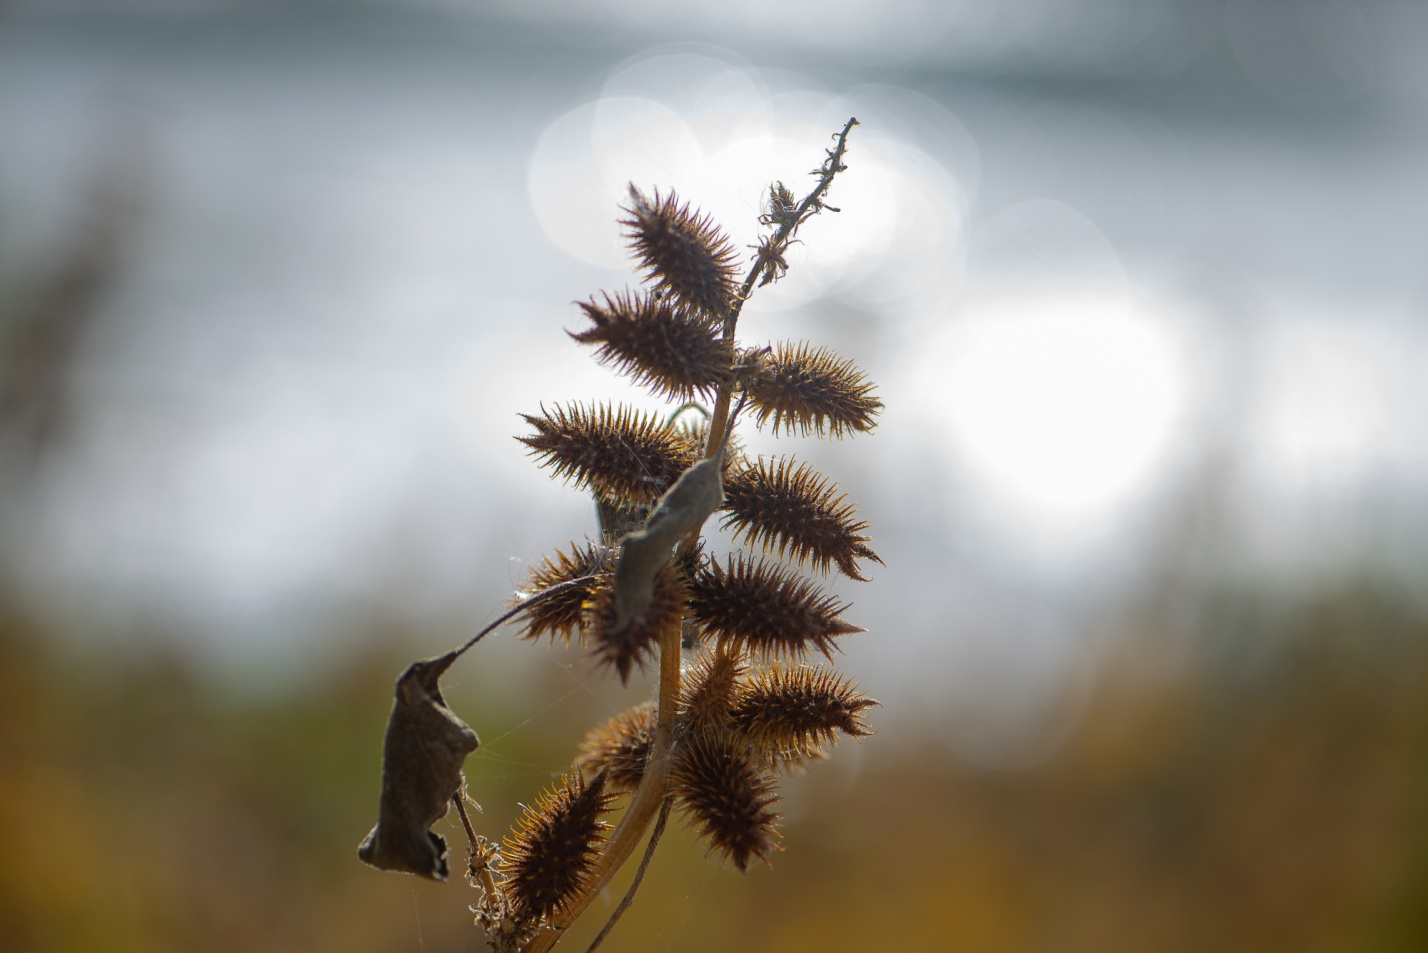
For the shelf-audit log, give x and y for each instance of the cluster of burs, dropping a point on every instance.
(741, 641)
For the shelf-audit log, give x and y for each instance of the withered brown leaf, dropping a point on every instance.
(422, 755)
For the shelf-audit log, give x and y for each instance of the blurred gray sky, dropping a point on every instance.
(1142, 283)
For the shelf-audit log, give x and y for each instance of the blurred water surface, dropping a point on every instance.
(1145, 306)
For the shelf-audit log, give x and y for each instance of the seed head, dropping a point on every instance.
(727, 797)
(708, 691)
(669, 349)
(766, 608)
(794, 511)
(550, 859)
(682, 253)
(810, 389)
(560, 615)
(791, 712)
(620, 747)
(616, 453)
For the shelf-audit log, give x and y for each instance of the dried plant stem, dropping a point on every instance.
(779, 241)
(748, 707)
(629, 898)
(650, 798)
(643, 807)
(524, 606)
(465, 821)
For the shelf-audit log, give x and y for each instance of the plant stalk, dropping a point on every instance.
(646, 803)
(778, 242)
(650, 795)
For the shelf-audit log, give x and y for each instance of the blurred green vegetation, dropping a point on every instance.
(1201, 803)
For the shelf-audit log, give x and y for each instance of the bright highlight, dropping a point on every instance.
(1062, 406)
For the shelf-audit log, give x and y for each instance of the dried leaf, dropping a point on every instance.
(697, 493)
(422, 755)
(631, 644)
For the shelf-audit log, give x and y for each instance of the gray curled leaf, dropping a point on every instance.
(682, 510)
(422, 755)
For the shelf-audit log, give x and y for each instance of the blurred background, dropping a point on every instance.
(1143, 288)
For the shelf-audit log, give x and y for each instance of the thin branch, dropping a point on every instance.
(812, 203)
(629, 899)
(647, 800)
(526, 603)
(465, 821)
(688, 405)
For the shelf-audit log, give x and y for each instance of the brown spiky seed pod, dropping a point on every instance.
(633, 643)
(615, 452)
(620, 747)
(682, 253)
(810, 389)
(669, 349)
(770, 610)
(792, 510)
(728, 798)
(551, 858)
(560, 615)
(795, 712)
(708, 691)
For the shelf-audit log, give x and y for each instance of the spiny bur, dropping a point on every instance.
(792, 510)
(798, 387)
(729, 799)
(672, 350)
(561, 617)
(552, 856)
(765, 609)
(620, 747)
(708, 692)
(745, 705)
(616, 453)
(682, 253)
(791, 713)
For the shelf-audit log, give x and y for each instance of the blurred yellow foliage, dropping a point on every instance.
(1206, 805)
